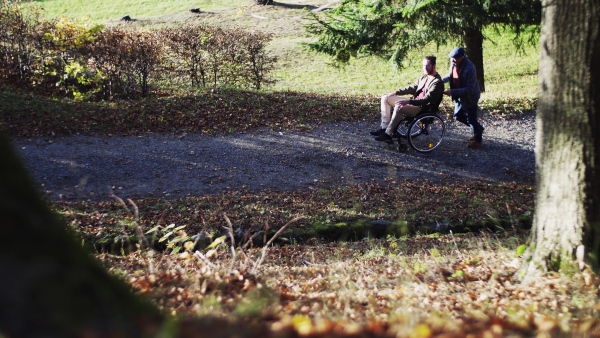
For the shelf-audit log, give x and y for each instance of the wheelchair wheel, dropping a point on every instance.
(426, 133)
(404, 126)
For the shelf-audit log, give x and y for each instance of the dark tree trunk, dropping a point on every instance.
(566, 230)
(50, 286)
(474, 48)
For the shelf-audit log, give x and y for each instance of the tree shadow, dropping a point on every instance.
(293, 6)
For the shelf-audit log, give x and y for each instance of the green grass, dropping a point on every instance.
(509, 74)
(106, 11)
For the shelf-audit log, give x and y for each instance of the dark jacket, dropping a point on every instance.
(433, 97)
(468, 87)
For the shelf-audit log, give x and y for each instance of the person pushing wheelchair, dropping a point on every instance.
(427, 94)
(464, 90)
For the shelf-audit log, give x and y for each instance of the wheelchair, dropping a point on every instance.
(423, 132)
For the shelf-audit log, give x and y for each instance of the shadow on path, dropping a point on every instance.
(159, 165)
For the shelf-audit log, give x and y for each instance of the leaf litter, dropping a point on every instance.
(451, 285)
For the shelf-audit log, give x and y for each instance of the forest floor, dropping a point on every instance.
(178, 184)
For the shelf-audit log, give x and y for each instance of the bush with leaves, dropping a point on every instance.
(85, 61)
(17, 52)
(63, 47)
(187, 57)
(48, 55)
(212, 56)
(127, 59)
(258, 63)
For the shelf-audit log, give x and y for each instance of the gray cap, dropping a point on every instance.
(457, 53)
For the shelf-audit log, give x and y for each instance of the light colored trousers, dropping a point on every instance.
(389, 120)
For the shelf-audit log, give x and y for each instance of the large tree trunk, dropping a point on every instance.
(566, 230)
(49, 285)
(474, 45)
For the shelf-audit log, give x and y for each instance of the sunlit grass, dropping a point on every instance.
(105, 10)
(508, 74)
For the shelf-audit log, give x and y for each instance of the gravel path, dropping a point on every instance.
(155, 165)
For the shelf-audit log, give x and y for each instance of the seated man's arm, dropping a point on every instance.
(408, 90)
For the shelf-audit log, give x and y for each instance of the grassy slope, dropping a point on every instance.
(508, 74)
(109, 11)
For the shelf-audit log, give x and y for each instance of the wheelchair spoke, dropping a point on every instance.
(426, 133)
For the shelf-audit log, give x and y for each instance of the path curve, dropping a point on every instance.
(158, 165)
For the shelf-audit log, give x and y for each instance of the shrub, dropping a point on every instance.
(16, 41)
(211, 56)
(63, 48)
(84, 61)
(48, 55)
(259, 63)
(188, 55)
(127, 59)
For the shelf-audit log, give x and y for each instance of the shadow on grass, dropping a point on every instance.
(293, 6)
(205, 112)
(214, 142)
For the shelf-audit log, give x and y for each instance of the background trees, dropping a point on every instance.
(567, 215)
(392, 27)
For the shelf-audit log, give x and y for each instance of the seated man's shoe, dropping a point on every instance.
(474, 144)
(377, 132)
(383, 137)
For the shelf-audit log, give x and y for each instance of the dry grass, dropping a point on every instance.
(415, 286)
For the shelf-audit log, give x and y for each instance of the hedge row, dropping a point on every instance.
(88, 61)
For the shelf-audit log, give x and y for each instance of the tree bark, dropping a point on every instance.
(566, 230)
(474, 46)
(50, 286)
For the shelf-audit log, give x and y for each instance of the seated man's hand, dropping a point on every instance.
(403, 102)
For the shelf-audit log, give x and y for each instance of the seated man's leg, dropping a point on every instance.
(397, 116)
(388, 102)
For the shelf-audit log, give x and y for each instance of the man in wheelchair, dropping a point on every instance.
(426, 95)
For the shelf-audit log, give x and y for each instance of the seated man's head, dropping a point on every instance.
(429, 65)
